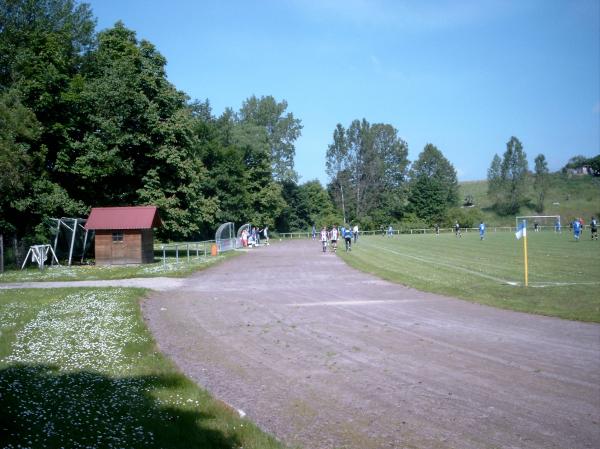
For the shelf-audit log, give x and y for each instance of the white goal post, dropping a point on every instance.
(540, 222)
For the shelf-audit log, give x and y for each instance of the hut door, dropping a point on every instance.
(118, 247)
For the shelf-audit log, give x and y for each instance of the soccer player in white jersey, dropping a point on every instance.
(324, 238)
(334, 238)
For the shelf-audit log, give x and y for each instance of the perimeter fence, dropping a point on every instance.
(415, 231)
(183, 251)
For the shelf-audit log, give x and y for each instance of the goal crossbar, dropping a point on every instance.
(533, 218)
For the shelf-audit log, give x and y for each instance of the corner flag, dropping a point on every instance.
(522, 232)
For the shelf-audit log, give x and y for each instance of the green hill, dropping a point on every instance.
(568, 196)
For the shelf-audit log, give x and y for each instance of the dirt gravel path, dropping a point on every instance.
(324, 356)
(158, 283)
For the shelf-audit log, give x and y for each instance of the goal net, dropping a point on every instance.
(539, 223)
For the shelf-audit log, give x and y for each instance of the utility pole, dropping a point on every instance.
(1, 253)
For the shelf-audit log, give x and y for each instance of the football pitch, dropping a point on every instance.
(564, 275)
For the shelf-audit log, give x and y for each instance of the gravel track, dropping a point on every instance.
(157, 283)
(324, 356)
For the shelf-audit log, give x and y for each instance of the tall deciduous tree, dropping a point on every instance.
(134, 143)
(338, 167)
(236, 154)
(282, 130)
(433, 185)
(513, 174)
(42, 46)
(307, 204)
(19, 130)
(494, 178)
(367, 165)
(507, 178)
(541, 182)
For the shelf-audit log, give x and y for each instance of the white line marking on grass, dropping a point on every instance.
(456, 267)
(560, 284)
(487, 276)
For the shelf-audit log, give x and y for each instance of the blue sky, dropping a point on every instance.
(465, 75)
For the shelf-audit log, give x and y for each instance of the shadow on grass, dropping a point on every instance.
(42, 407)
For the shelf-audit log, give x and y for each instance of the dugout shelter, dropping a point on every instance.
(124, 235)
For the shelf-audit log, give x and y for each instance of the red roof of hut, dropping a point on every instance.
(132, 217)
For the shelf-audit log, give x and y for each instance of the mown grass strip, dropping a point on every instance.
(564, 275)
(79, 369)
(171, 268)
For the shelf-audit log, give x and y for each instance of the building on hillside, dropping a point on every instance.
(124, 235)
(581, 171)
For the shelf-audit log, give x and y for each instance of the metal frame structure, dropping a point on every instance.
(39, 254)
(225, 237)
(529, 218)
(72, 225)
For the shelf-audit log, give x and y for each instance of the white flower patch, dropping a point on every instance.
(83, 331)
(69, 392)
(173, 266)
(78, 410)
(10, 314)
(48, 274)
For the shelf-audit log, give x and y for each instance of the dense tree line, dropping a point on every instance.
(90, 119)
(373, 182)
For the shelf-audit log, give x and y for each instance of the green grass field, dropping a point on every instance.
(172, 268)
(564, 275)
(79, 369)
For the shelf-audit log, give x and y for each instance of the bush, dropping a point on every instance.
(411, 221)
(467, 218)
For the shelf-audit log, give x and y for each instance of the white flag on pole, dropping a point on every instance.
(522, 232)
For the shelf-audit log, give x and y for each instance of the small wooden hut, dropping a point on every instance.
(124, 235)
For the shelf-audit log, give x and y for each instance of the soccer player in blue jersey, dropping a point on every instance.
(576, 229)
(481, 230)
(348, 238)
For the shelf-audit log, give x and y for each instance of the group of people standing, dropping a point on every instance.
(329, 237)
(578, 226)
(252, 238)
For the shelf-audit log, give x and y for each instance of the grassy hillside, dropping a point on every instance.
(569, 197)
